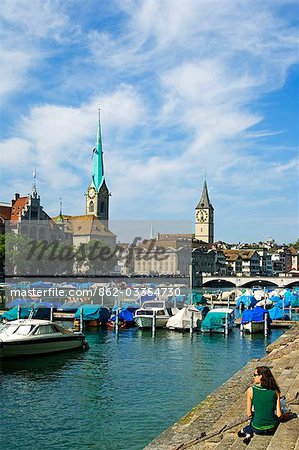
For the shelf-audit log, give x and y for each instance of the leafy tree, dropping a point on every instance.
(295, 244)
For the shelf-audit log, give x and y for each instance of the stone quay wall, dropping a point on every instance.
(226, 405)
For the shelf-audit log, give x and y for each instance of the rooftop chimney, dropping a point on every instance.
(15, 199)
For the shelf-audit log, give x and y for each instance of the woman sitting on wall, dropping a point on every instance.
(263, 405)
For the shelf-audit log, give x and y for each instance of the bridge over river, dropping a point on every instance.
(225, 281)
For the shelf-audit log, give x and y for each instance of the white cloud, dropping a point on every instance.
(37, 18)
(177, 83)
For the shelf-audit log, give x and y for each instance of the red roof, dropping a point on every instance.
(17, 207)
(5, 212)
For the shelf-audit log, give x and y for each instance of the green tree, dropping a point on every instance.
(295, 244)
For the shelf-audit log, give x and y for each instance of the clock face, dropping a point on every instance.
(91, 192)
(202, 216)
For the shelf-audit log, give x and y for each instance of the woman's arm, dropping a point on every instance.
(249, 402)
(278, 408)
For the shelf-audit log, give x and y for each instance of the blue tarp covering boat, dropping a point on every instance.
(256, 314)
(41, 284)
(24, 312)
(70, 307)
(284, 302)
(275, 298)
(129, 306)
(295, 302)
(124, 315)
(248, 301)
(18, 301)
(93, 312)
(276, 313)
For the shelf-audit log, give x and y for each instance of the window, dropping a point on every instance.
(102, 207)
(45, 329)
(91, 207)
(24, 330)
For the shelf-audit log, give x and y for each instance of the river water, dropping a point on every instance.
(121, 393)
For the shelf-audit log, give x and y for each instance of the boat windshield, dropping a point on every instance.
(13, 329)
(150, 305)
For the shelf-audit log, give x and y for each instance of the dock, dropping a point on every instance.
(214, 423)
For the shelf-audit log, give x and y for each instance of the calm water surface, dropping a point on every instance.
(121, 393)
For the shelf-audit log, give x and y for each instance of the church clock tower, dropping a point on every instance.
(204, 217)
(97, 194)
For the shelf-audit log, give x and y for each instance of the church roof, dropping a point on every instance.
(18, 207)
(204, 201)
(85, 225)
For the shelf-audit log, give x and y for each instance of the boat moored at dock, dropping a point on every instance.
(255, 320)
(218, 320)
(92, 316)
(187, 317)
(157, 310)
(28, 337)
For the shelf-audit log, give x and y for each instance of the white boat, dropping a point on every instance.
(161, 310)
(254, 327)
(26, 337)
(217, 320)
(253, 320)
(182, 319)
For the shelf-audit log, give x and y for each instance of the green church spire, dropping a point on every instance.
(98, 164)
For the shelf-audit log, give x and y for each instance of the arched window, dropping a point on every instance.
(102, 207)
(91, 207)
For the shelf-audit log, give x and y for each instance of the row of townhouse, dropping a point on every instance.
(245, 262)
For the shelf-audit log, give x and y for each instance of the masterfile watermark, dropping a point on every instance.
(45, 249)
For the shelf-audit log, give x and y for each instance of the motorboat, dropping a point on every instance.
(124, 315)
(28, 337)
(254, 320)
(160, 310)
(93, 316)
(187, 316)
(217, 320)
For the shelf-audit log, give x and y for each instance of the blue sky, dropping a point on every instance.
(184, 87)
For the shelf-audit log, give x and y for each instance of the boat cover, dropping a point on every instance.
(181, 320)
(18, 301)
(254, 315)
(124, 314)
(295, 302)
(39, 313)
(93, 312)
(214, 321)
(247, 300)
(292, 298)
(284, 302)
(70, 307)
(275, 298)
(276, 313)
(129, 306)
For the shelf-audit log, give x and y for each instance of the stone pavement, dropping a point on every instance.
(226, 407)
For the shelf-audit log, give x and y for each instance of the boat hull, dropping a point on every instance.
(215, 330)
(254, 327)
(147, 321)
(33, 346)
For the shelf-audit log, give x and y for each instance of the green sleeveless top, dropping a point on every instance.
(264, 403)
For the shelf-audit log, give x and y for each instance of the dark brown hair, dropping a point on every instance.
(267, 380)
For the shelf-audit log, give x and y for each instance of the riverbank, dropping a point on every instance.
(225, 407)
